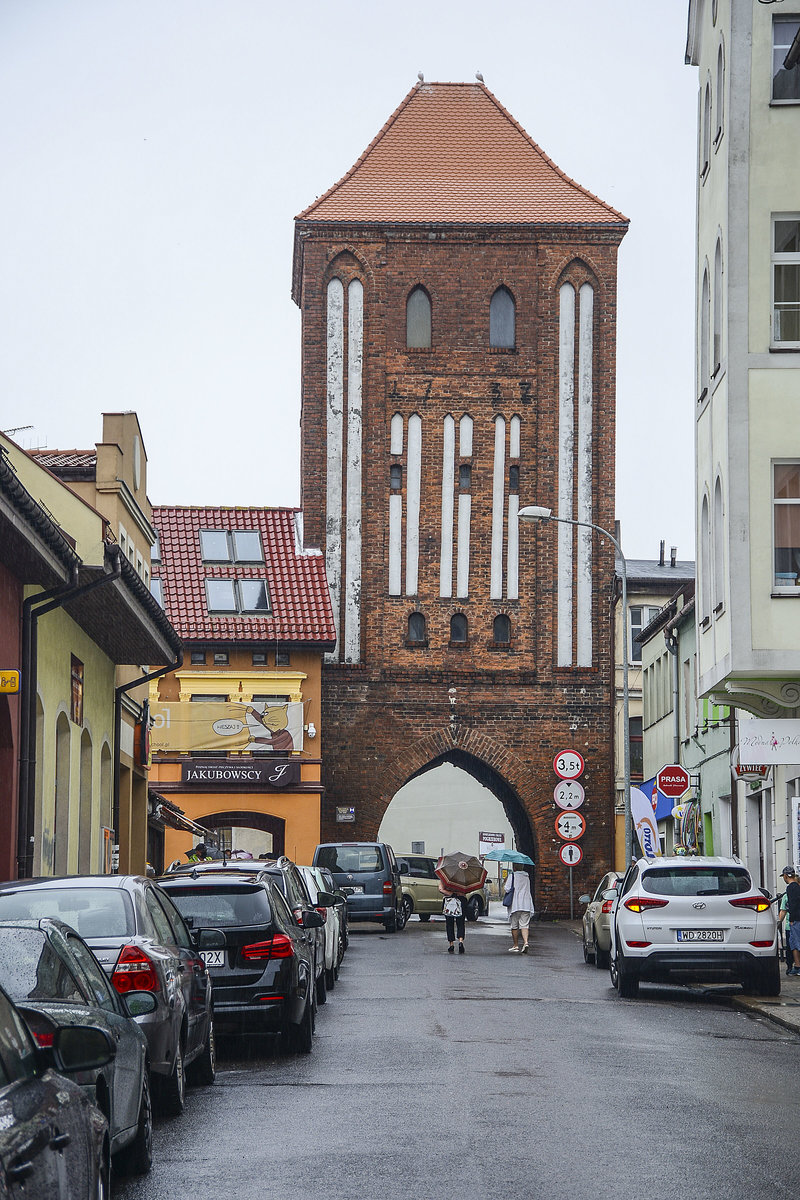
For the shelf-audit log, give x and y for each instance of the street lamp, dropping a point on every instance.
(534, 512)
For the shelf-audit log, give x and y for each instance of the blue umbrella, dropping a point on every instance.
(509, 856)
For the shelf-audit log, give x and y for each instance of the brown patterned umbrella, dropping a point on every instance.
(461, 872)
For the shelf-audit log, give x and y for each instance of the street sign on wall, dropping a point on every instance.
(570, 826)
(569, 793)
(568, 764)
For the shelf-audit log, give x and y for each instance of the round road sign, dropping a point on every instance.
(568, 764)
(570, 826)
(570, 854)
(569, 794)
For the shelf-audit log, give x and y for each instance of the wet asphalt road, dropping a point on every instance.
(469, 1077)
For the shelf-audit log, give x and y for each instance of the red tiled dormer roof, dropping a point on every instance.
(451, 153)
(300, 604)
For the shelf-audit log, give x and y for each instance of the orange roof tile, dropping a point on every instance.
(299, 598)
(452, 153)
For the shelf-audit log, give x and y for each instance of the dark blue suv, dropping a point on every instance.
(368, 875)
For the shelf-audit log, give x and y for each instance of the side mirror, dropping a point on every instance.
(610, 894)
(211, 939)
(82, 1048)
(584, 899)
(326, 899)
(138, 1004)
(311, 919)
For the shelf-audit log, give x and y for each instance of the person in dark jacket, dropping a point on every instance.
(792, 901)
(453, 905)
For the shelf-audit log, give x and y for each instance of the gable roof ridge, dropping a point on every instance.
(554, 166)
(364, 155)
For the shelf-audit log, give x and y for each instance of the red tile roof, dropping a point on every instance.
(452, 153)
(296, 581)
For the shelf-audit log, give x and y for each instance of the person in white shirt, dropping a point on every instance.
(521, 908)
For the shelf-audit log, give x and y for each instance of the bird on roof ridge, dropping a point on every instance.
(420, 77)
(479, 77)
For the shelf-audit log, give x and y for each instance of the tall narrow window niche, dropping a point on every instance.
(396, 509)
(413, 496)
(418, 320)
(566, 470)
(335, 455)
(498, 505)
(512, 530)
(448, 511)
(583, 466)
(465, 428)
(352, 557)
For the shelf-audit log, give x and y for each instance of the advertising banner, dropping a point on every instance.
(207, 725)
(769, 742)
(250, 773)
(644, 822)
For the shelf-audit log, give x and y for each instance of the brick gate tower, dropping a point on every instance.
(458, 299)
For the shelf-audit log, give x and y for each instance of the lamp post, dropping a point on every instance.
(532, 513)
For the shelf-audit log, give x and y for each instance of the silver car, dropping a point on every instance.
(596, 921)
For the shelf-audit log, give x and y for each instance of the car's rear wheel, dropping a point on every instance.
(330, 978)
(406, 909)
(424, 916)
(588, 955)
(627, 984)
(474, 909)
(322, 988)
(171, 1093)
(203, 1070)
(137, 1158)
(301, 1037)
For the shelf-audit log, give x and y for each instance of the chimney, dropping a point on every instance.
(661, 553)
(673, 555)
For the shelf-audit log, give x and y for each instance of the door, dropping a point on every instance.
(198, 992)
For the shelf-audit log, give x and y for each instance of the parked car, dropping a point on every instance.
(368, 874)
(260, 959)
(329, 884)
(693, 920)
(597, 920)
(142, 944)
(288, 879)
(318, 897)
(420, 887)
(53, 1140)
(54, 979)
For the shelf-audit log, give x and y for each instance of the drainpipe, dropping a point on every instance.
(32, 609)
(118, 693)
(671, 639)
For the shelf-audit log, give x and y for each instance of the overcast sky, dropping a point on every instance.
(155, 153)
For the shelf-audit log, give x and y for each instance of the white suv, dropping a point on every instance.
(691, 920)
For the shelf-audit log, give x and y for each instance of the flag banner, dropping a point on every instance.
(184, 727)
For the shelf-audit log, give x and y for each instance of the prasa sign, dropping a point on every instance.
(673, 781)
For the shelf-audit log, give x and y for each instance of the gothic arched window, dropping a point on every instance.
(458, 628)
(417, 632)
(502, 320)
(418, 319)
(501, 630)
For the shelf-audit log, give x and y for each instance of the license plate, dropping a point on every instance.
(701, 935)
(213, 958)
(357, 891)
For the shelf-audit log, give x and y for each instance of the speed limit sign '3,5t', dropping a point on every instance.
(568, 764)
(570, 826)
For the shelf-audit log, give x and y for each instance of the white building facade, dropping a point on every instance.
(748, 384)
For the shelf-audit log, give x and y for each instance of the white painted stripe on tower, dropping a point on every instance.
(462, 562)
(566, 454)
(498, 498)
(512, 559)
(448, 483)
(514, 437)
(396, 435)
(334, 423)
(584, 469)
(412, 501)
(465, 436)
(352, 554)
(395, 544)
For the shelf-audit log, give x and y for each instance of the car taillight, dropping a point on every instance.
(762, 945)
(279, 946)
(388, 888)
(323, 912)
(757, 903)
(606, 906)
(43, 1039)
(638, 945)
(134, 972)
(642, 903)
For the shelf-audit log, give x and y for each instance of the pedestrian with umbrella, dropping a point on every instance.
(517, 896)
(459, 874)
